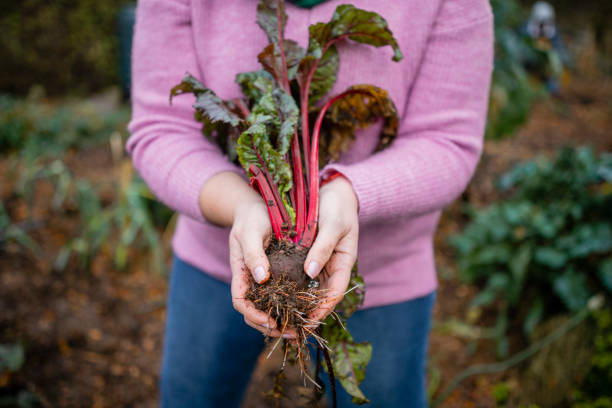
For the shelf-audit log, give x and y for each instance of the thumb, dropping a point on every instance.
(320, 252)
(255, 257)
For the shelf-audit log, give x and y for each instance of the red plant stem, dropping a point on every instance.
(259, 182)
(313, 199)
(304, 96)
(300, 192)
(243, 109)
(304, 103)
(274, 188)
(281, 45)
(292, 198)
(305, 129)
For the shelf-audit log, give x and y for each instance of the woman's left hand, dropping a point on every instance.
(334, 250)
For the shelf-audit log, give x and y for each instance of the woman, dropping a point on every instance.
(391, 200)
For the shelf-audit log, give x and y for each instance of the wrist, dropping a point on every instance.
(222, 195)
(338, 183)
(247, 206)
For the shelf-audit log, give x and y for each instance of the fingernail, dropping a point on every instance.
(259, 274)
(313, 269)
(288, 336)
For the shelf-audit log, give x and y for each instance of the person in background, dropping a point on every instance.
(549, 64)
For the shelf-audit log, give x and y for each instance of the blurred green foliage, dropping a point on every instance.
(14, 233)
(501, 392)
(37, 137)
(65, 46)
(12, 357)
(596, 389)
(37, 129)
(547, 247)
(71, 47)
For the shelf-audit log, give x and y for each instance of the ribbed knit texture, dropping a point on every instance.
(440, 89)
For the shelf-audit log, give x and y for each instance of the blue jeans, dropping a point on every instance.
(209, 352)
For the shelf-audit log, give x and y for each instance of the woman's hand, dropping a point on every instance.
(250, 234)
(228, 200)
(334, 251)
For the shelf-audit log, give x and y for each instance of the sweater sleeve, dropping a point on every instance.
(440, 134)
(166, 144)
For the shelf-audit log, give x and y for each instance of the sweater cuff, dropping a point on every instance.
(366, 201)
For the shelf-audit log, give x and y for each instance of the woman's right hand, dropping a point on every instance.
(250, 234)
(228, 200)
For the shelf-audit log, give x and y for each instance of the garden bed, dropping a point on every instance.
(92, 336)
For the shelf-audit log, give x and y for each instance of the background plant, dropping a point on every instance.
(65, 46)
(81, 37)
(596, 389)
(12, 358)
(115, 216)
(545, 248)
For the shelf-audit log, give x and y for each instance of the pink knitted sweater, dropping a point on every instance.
(440, 89)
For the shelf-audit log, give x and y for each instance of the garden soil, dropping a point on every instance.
(93, 337)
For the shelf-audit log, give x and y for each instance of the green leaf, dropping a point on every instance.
(572, 288)
(11, 357)
(534, 316)
(324, 76)
(518, 268)
(551, 257)
(255, 84)
(273, 117)
(14, 233)
(605, 273)
(484, 298)
(498, 282)
(215, 109)
(289, 115)
(62, 257)
(348, 22)
(270, 58)
(267, 13)
(221, 120)
(349, 360)
(501, 325)
(356, 24)
(207, 103)
(493, 253)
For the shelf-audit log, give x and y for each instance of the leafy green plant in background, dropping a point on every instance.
(37, 137)
(12, 357)
(66, 46)
(44, 43)
(547, 247)
(15, 233)
(123, 225)
(36, 129)
(596, 389)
